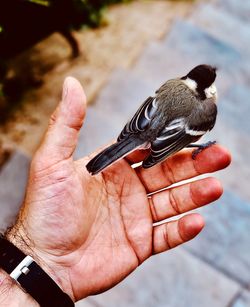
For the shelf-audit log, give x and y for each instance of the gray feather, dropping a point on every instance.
(111, 154)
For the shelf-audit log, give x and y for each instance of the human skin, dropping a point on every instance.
(90, 232)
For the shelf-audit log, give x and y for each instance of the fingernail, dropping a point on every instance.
(65, 89)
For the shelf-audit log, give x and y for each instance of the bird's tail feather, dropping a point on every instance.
(110, 155)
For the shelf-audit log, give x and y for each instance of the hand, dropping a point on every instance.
(88, 232)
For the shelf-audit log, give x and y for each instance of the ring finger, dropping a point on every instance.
(172, 234)
(184, 198)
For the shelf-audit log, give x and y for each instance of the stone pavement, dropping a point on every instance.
(214, 269)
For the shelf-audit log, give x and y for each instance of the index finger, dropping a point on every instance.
(137, 156)
(181, 166)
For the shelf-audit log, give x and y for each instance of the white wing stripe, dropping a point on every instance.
(179, 121)
(146, 113)
(162, 138)
(154, 103)
(136, 121)
(157, 153)
(194, 132)
(169, 128)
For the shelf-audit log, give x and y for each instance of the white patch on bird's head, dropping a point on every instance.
(190, 83)
(211, 91)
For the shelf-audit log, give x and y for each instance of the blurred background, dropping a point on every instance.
(121, 51)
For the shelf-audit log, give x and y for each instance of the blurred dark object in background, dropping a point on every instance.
(5, 153)
(23, 23)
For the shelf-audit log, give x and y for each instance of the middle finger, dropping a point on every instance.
(184, 198)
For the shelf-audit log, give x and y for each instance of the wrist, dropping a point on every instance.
(12, 295)
(18, 237)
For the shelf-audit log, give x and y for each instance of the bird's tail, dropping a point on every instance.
(111, 154)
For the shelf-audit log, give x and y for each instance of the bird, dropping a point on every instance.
(180, 112)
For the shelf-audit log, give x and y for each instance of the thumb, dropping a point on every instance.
(61, 137)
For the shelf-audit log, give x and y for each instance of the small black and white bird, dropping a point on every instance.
(179, 114)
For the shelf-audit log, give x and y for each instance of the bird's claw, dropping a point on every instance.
(201, 147)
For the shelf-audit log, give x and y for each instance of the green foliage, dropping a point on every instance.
(92, 10)
(40, 2)
(81, 12)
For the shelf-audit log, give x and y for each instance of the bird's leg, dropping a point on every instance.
(200, 148)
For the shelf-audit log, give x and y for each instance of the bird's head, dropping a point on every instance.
(201, 80)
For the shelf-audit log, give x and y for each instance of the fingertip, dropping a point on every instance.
(217, 156)
(73, 105)
(72, 82)
(222, 154)
(205, 191)
(190, 226)
(72, 88)
(226, 157)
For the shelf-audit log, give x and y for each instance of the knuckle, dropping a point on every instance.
(168, 171)
(174, 202)
(153, 209)
(165, 236)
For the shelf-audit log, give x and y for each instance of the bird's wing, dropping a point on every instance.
(141, 119)
(181, 132)
(172, 138)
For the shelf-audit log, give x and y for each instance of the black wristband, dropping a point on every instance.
(31, 277)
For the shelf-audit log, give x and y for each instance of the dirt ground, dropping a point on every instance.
(118, 44)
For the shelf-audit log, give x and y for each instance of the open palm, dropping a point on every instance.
(91, 232)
